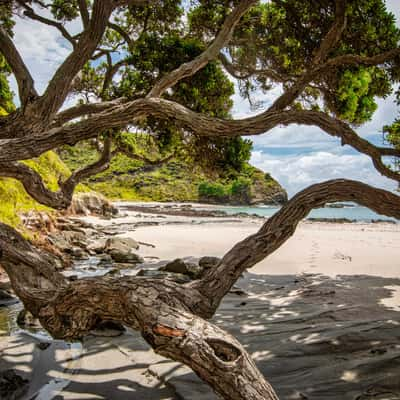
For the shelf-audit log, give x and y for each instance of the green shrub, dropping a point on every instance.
(212, 190)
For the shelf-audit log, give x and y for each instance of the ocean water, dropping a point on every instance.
(351, 212)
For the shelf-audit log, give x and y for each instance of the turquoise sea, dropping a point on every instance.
(351, 212)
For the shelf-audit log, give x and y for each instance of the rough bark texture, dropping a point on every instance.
(171, 317)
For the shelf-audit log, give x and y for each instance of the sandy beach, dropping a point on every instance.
(320, 317)
(323, 248)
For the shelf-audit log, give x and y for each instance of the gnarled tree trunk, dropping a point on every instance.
(172, 317)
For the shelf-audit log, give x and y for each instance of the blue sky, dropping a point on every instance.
(296, 156)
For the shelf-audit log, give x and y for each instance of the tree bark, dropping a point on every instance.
(171, 316)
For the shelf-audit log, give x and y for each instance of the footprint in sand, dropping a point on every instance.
(312, 260)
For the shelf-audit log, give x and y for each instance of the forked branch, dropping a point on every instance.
(37, 189)
(282, 225)
(211, 53)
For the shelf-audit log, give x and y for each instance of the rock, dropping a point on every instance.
(195, 271)
(121, 265)
(74, 237)
(77, 252)
(26, 319)
(125, 257)
(120, 250)
(208, 262)
(105, 260)
(157, 274)
(180, 266)
(108, 329)
(60, 242)
(119, 243)
(98, 246)
(177, 266)
(38, 221)
(12, 386)
(72, 278)
(92, 203)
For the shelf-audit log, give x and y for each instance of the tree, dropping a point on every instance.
(331, 58)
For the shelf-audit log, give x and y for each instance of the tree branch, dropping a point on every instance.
(332, 38)
(97, 167)
(24, 79)
(119, 116)
(281, 226)
(122, 33)
(60, 84)
(83, 9)
(246, 72)
(352, 59)
(110, 73)
(212, 52)
(30, 13)
(61, 199)
(83, 110)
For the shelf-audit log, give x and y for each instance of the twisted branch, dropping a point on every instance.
(281, 226)
(36, 188)
(212, 52)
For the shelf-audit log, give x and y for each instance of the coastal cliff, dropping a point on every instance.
(179, 179)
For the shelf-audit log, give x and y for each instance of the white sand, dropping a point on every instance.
(325, 248)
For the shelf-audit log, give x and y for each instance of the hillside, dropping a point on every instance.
(179, 179)
(13, 198)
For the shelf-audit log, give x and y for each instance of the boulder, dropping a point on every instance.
(74, 237)
(126, 265)
(177, 266)
(119, 243)
(158, 274)
(12, 385)
(79, 253)
(125, 257)
(91, 203)
(208, 262)
(180, 266)
(113, 272)
(59, 241)
(97, 247)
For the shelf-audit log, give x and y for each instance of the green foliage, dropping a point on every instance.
(13, 197)
(356, 93)
(393, 133)
(6, 95)
(65, 10)
(283, 36)
(213, 190)
(180, 179)
(6, 20)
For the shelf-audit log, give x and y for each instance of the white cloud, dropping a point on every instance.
(296, 172)
(42, 48)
